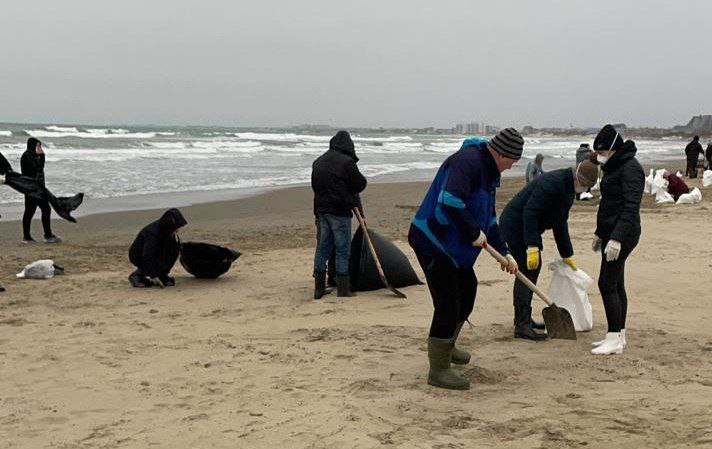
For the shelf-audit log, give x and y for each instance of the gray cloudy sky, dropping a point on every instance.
(357, 63)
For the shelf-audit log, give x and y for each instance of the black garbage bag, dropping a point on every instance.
(396, 266)
(206, 261)
(63, 206)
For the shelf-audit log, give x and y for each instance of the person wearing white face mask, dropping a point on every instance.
(542, 204)
(617, 229)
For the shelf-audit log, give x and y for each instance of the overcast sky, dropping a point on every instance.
(357, 63)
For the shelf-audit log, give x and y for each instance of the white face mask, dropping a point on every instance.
(601, 159)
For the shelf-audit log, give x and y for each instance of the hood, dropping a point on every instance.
(32, 144)
(342, 143)
(623, 153)
(171, 221)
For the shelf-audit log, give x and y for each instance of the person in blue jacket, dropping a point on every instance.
(542, 204)
(456, 219)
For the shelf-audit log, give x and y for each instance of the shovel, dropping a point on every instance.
(557, 319)
(381, 274)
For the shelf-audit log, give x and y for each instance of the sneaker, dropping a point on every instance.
(53, 239)
(29, 241)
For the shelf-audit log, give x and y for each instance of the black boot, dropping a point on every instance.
(343, 286)
(319, 284)
(138, 280)
(537, 325)
(523, 324)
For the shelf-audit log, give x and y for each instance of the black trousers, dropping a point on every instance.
(522, 296)
(31, 205)
(692, 168)
(611, 283)
(453, 291)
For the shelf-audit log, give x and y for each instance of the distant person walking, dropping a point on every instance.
(617, 229)
(32, 165)
(692, 151)
(337, 183)
(534, 168)
(708, 156)
(583, 153)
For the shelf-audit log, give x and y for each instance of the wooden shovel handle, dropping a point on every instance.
(530, 285)
(362, 222)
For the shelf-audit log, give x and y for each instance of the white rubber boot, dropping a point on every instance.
(598, 343)
(611, 345)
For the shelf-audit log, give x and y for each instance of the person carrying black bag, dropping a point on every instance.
(32, 165)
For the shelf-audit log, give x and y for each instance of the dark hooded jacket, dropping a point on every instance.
(336, 180)
(693, 150)
(156, 249)
(543, 204)
(708, 156)
(31, 163)
(621, 193)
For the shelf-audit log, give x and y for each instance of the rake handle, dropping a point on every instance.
(530, 285)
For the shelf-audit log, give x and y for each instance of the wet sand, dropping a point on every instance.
(250, 361)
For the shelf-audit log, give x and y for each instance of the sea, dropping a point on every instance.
(140, 167)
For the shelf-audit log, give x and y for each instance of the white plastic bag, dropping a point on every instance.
(659, 183)
(694, 197)
(649, 182)
(569, 289)
(707, 178)
(41, 269)
(662, 196)
(586, 196)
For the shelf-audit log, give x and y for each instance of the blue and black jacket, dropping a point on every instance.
(459, 204)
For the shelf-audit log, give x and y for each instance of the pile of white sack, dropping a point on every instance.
(656, 185)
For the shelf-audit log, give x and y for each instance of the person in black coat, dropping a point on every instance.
(32, 166)
(543, 204)
(708, 156)
(337, 183)
(155, 250)
(692, 152)
(617, 229)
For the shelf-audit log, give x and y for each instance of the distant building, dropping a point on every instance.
(476, 128)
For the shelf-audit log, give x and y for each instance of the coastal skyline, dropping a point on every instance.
(400, 64)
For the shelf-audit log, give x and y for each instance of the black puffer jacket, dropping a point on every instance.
(336, 180)
(31, 163)
(543, 204)
(156, 249)
(693, 150)
(621, 193)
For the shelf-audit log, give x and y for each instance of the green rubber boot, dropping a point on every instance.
(441, 375)
(459, 356)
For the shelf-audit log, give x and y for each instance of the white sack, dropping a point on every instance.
(41, 269)
(694, 197)
(649, 182)
(569, 289)
(707, 178)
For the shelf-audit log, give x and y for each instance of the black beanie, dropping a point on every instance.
(607, 139)
(32, 144)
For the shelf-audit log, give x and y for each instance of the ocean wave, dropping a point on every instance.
(385, 169)
(5, 133)
(88, 134)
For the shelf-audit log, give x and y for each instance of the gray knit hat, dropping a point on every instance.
(508, 143)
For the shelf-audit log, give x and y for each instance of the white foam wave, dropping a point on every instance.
(384, 169)
(5, 133)
(88, 134)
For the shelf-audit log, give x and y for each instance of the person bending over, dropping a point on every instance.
(155, 251)
(541, 205)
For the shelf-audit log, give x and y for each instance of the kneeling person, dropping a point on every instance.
(543, 204)
(156, 250)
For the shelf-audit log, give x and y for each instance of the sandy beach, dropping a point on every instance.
(251, 361)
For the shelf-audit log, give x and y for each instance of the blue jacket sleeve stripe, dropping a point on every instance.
(451, 200)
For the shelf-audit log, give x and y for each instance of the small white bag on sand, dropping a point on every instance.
(707, 178)
(569, 289)
(649, 182)
(662, 197)
(41, 269)
(694, 197)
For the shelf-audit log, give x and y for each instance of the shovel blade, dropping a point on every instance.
(559, 323)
